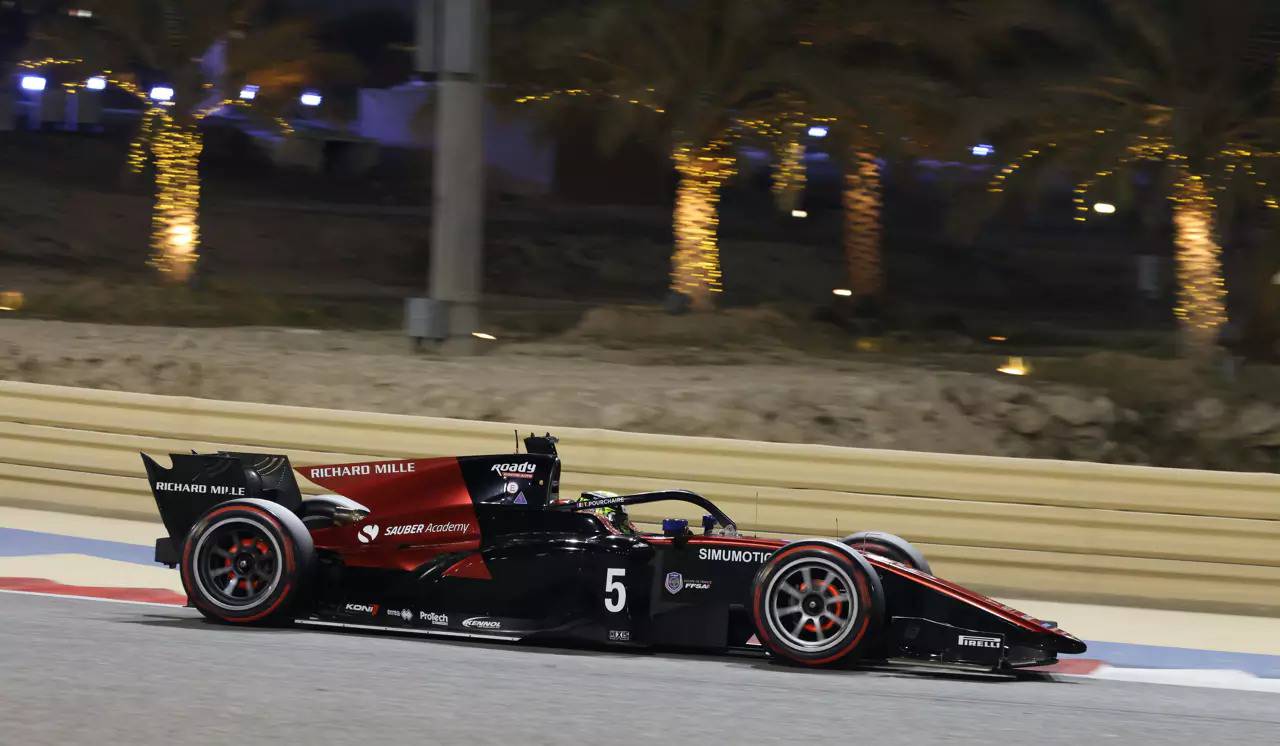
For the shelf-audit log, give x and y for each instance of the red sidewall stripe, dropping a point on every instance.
(864, 602)
(289, 565)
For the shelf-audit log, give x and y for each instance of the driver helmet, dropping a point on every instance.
(614, 515)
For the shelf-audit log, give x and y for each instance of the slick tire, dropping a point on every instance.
(247, 562)
(888, 545)
(816, 602)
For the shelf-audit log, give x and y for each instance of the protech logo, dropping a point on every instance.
(733, 555)
(439, 620)
(972, 641)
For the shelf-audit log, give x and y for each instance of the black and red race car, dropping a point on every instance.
(483, 547)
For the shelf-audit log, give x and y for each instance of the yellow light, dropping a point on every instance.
(175, 219)
(695, 266)
(483, 335)
(789, 174)
(1104, 208)
(1201, 308)
(862, 204)
(181, 235)
(11, 300)
(1015, 366)
(799, 213)
(998, 338)
(843, 292)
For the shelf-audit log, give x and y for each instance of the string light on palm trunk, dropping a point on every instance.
(862, 232)
(695, 270)
(175, 148)
(1202, 293)
(789, 176)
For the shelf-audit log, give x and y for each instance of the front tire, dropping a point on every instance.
(816, 602)
(888, 545)
(247, 562)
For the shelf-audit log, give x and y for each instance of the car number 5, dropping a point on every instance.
(613, 584)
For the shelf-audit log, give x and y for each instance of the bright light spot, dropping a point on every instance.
(799, 213)
(181, 235)
(818, 130)
(842, 292)
(249, 92)
(80, 13)
(311, 98)
(1104, 208)
(1276, 280)
(10, 300)
(33, 83)
(96, 83)
(482, 335)
(1015, 367)
(162, 93)
(982, 151)
(998, 338)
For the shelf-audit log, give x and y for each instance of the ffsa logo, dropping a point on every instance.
(368, 533)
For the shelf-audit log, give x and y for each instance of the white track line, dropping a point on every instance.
(92, 598)
(1241, 681)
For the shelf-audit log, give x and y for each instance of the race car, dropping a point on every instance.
(485, 547)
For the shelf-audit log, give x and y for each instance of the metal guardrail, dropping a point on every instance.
(1020, 527)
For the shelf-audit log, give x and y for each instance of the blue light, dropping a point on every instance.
(33, 83)
(96, 83)
(311, 98)
(162, 93)
(249, 93)
(982, 151)
(818, 130)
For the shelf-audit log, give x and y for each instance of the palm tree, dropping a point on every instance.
(691, 74)
(203, 51)
(890, 76)
(1190, 85)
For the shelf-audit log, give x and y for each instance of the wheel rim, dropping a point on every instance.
(238, 563)
(811, 604)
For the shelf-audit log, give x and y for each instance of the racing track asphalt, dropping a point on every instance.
(83, 672)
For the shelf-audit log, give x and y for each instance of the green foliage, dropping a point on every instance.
(1095, 76)
(205, 49)
(696, 68)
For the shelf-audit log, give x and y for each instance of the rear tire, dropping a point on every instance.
(888, 545)
(816, 602)
(247, 562)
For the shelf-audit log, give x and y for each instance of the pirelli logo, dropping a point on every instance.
(973, 641)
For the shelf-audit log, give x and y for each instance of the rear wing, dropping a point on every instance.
(196, 482)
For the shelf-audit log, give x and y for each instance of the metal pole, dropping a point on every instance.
(460, 49)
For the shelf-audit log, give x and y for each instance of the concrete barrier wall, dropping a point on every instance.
(1066, 530)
